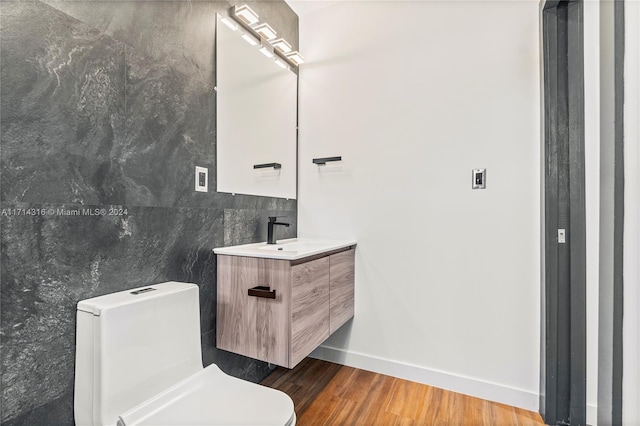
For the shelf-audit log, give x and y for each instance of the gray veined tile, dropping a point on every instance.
(179, 34)
(246, 226)
(62, 104)
(170, 129)
(241, 227)
(49, 263)
(98, 112)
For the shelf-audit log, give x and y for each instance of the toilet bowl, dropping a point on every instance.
(138, 363)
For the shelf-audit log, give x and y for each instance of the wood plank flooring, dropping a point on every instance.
(325, 393)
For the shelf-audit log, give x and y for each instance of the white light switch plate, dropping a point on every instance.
(479, 178)
(562, 236)
(202, 179)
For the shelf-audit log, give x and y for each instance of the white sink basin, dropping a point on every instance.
(290, 249)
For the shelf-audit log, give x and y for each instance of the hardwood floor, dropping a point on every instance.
(330, 394)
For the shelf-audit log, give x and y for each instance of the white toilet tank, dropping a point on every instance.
(131, 345)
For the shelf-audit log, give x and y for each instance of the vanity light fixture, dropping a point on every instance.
(262, 36)
(296, 57)
(282, 45)
(246, 14)
(265, 31)
(249, 39)
(229, 23)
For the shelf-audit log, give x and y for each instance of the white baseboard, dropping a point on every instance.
(465, 385)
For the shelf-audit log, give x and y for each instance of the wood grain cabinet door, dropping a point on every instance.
(342, 290)
(309, 307)
(253, 326)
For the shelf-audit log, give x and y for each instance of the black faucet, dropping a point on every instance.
(272, 221)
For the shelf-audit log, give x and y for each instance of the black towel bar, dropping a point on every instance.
(268, 165)
(325, 160)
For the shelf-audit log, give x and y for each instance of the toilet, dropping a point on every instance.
(138, 363)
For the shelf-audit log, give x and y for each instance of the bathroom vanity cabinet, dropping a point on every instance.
(278, 310)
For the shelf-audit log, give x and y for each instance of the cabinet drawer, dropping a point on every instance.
(256, 327)
(342, 291)
(309, 307)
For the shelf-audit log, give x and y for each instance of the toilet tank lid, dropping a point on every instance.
(96, 305)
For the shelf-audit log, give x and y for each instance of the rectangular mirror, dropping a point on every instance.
(256, 116)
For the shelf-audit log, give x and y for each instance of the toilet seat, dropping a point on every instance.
(211, 397)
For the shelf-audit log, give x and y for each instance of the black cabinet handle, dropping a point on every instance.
(268, 165)
(262, 291)
(325, 160)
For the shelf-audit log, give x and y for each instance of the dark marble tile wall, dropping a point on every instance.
(108, 105)
(161, 33)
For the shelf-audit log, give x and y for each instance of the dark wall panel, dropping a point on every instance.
(109, 105)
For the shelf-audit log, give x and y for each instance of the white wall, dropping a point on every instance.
(414, 95)
(631, 325)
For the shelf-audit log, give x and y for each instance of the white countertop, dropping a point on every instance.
(290, 249)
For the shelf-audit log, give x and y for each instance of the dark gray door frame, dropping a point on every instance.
(563, 345)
